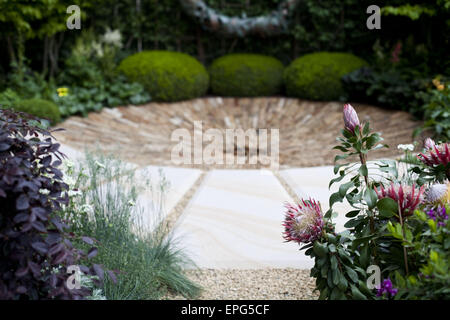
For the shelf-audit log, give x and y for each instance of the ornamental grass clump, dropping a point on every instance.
(136, 244)
(398, 224)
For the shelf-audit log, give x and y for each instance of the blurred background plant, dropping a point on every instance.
(41, 55)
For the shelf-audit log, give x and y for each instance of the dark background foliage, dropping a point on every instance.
(316, 25)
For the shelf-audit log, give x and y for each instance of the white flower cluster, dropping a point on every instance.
(406, 147)
(113, 37)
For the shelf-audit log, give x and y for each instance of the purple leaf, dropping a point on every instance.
(34, 268)
(55, 249)
(22, 202)
(39, 226)
(41, 213)
(21, 272)
(88, 240)
(21, 217)
(92, 253)
(40, 247)
(60, 258)
(112, 276)
(21, 290)
(99, 271)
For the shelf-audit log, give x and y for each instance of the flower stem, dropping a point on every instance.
(405, 257)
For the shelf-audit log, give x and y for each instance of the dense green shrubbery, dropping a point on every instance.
(167, 76)
(436, 110)
(388, 88)
(8, 97)
(245, 75)
(39, 108)
(317, 76)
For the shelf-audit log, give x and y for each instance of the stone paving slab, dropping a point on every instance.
(158, 201)
(235, 222)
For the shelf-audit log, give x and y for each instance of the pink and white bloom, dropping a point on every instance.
(429, 143)
(351, 119)
(438, 193)
(436, 154)
(303, 223)
(407, 197)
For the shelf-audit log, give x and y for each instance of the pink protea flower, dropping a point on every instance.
(408, 197)
(351, 119)
(429, 143)
(436, 154)
(303, 223)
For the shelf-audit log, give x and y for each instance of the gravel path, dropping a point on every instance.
(260, 284)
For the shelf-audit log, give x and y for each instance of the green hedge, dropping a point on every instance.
(246, 75)
(317, 76)
(167, 76)
(40, 108)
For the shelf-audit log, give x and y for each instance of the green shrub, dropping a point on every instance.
(246, 75)
(317, 76)
(39, 108)
(8, 98)
(167, 76)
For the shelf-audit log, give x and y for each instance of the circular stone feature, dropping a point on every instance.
(307, 130)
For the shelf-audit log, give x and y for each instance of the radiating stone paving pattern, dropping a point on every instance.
(308, 130)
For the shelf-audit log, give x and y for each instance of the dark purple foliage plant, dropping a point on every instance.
(35, 249)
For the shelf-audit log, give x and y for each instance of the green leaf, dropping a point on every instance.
(336, 276)
(323, 294)
(336, 180)
(320, 249)
(336, 294)
(343, 188)
(353, 223)
(324, 271)
(352, 274)
(343, 283)
(357, 295)
(363, 170)
(387, 207)
(352, 214)
(371, 198)
(372, 140)
(340, 157)
(335, 197)
(334, 262)
(366, 129)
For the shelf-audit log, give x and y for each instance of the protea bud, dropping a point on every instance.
(303, 223)
(407, 197)
(429, 143)
(351, 119)
(438, 194)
